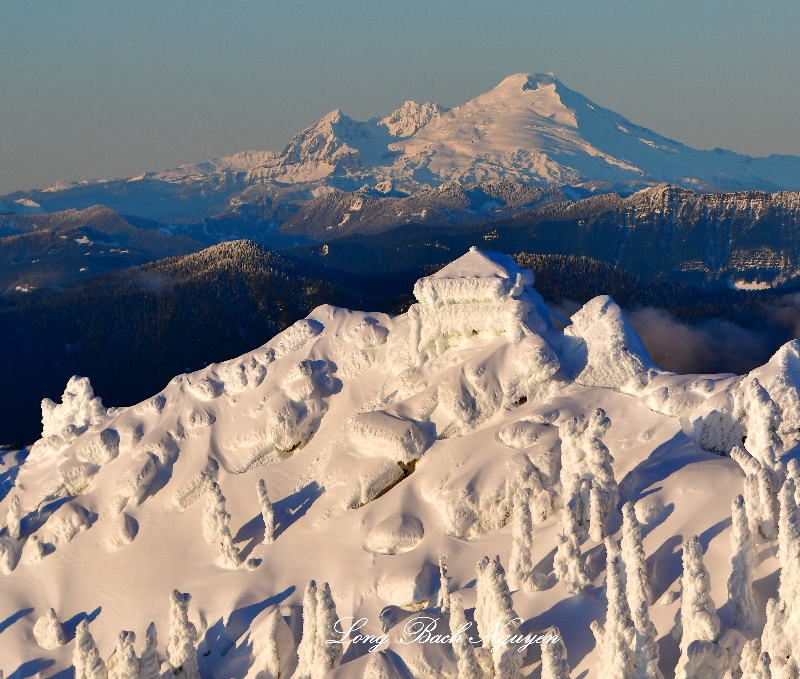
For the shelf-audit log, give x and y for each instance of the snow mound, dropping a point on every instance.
(396, 534)
(379, 433)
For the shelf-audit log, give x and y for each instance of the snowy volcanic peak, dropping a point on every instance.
(466, 437)
(529, 129)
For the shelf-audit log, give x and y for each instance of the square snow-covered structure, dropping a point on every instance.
(478, 294)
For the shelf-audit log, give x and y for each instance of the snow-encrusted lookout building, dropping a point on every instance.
(480, 293)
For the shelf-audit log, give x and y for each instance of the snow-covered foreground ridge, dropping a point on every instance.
(465, 463)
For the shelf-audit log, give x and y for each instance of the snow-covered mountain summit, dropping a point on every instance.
(467, 462)
(531, 128)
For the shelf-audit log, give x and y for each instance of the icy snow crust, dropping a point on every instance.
(386, 443)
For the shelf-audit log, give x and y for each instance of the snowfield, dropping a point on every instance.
(466, 463)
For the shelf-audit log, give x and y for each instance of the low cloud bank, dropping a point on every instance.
(711, 346)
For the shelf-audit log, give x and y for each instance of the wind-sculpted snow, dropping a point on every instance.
(464, 463)
(614, 354)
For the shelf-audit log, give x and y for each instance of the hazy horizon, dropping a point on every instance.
(94, 90)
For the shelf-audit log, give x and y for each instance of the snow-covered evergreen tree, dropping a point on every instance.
(495, 615)
(763, 419)
(149, 663)
(181, 650)
(273, 648)
(604, 494)
(696, 619)
(123, 663)
(326, 656)
(793, 470)
(587, 478)
(743, 560)
(764, 666)
(85, 656)
(748, 661)
(308, 642)
(14, 517)
(48, 631)
(468, 666)
(443, 596)
(768, 496)
(616, 637)
(216, 530)
(774, 638)
(267, 513)
(789, 544)
(639, 594)
(520, 566)
(574, 472)
(761, 485)
(790, 670)
(554, 657)
(569, 564)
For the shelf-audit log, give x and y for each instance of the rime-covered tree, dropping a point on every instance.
(696, 619)
(273, 649)
(774, 638)
(793, 470)
(569, 564)
(788, 544)
(743, 559)
(123, 663)
(85, 656)
(326, 656)
(267, 513)
(763, 419)
(587, 478)
(554, 657)
(216, 530)
(574, 471)
(616, 637)
(520, 566)
(604, 494)
(14, 517)
(149, 663)
(748, 661)
(468, 666)
(308, 642)
(443, 596)
(48, 631)
(181, 649)
(495, 615)
(789, 671)
(639, 594)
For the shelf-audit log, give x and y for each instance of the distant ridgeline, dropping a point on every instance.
(131, 331)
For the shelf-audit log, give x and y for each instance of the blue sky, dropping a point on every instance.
(111, 89)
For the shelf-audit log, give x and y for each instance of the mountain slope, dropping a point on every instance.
(466, 428)
(749, 240)
(48, 250)
(132, 330)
